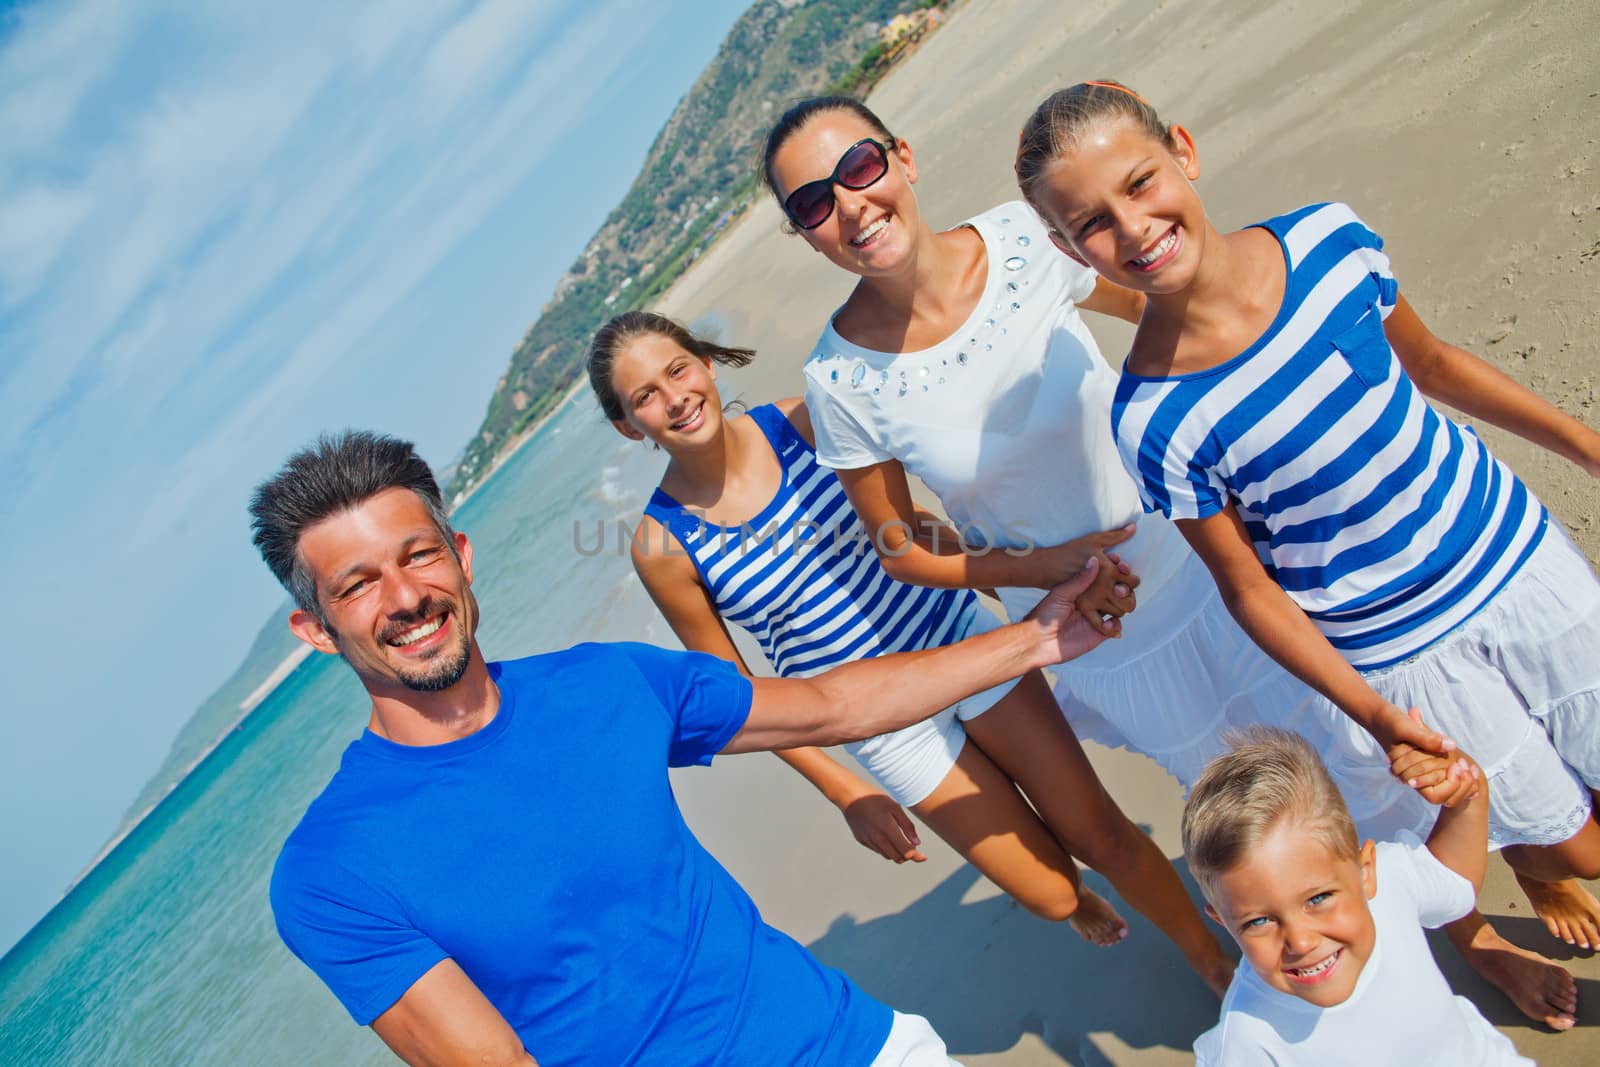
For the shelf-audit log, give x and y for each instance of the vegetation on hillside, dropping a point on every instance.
(700, 173)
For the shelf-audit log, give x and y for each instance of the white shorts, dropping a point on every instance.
(911, 762)
(912, 1042)
(1180, 679)
(1518, 687)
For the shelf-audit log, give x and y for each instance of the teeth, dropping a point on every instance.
(681, 423)
(1311, 972)
(870, 232)
(411, 637)
(1162, 248)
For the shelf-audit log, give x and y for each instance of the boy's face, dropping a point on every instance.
(1299, 913)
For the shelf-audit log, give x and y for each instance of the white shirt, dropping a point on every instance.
(1007, 421)
(1401, 1012)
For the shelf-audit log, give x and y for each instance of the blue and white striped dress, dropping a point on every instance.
(802, 576)
(1389, 524)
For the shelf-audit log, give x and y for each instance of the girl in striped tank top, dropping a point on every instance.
(1273, 404)
(747, 527)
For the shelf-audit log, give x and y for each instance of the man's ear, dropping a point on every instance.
(1369, 868)
(464, 554)
(1066, 249)
(308, 628)
(1182, 150)
(627, 429)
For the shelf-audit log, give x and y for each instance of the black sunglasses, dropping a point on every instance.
(862, 164)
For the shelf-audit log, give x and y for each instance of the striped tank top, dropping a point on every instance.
(802, 576)
(1386, 522)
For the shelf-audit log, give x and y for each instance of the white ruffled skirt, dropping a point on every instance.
(1184, 673)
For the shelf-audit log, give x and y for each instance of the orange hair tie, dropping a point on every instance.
(1120, 89)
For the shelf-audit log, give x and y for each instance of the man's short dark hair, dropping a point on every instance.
(338, 473)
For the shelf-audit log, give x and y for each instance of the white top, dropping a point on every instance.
(1401, 1012)
(1007, 421)
(1387, 522)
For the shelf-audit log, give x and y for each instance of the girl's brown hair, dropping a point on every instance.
(617, 333)
(1065, 116)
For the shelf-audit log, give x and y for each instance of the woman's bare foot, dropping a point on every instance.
(1540, 988)
(1570, 912)
(1096, 921)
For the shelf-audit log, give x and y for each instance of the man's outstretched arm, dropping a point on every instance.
(444, 1020)
(874, 696)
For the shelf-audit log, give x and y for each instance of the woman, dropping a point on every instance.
(746, 526)
(960, 357)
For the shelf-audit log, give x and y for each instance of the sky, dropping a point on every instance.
(223, 229)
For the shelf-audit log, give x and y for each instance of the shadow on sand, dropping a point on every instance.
(986, 972)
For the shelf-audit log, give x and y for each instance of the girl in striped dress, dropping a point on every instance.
(747, 527)
(1273, 405)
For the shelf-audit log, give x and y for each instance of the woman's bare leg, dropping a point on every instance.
(980, 813)
(1027, 737)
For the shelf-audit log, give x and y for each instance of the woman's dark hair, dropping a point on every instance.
(1065, 116)
(616, 334)
(791, 122)
(338, 473)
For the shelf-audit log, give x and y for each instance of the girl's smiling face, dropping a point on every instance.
(871, 230)
(668, 395)
(1299, 913)
(1121, 202)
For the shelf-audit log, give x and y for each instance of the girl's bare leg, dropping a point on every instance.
(1027, 737)
(980, 813)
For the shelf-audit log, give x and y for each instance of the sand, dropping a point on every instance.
(1466, 134)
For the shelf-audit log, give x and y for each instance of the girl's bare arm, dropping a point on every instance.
(882, 497)
(1475, 387)
(1284, 632)
(674, 585)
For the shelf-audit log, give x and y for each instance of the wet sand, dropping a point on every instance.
(1466, 134)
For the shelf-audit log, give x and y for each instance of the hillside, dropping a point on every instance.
(699, 174)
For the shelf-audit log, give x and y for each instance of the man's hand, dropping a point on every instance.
(1064, 633)
(883, 826)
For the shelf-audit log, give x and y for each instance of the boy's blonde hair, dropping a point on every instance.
(1267, 775)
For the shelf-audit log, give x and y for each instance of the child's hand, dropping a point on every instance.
(883, 826)
(1443, 780)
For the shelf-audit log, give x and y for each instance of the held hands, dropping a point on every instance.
(1064, 632)
(883, 826)
(1430, 763)
(1111, 595)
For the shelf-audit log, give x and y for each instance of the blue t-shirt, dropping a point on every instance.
(546, 855)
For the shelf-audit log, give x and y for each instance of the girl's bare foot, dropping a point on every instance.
(1540, 988)
(1570, 912)
(1096, 921)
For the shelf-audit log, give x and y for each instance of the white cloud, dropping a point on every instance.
(475, 51)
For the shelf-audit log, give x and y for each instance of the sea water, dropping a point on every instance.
(166, 953)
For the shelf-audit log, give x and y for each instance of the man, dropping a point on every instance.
(499, 870)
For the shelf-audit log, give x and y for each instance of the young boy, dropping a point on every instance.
(1339, 970)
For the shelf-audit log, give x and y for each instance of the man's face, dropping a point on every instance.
(396, 602)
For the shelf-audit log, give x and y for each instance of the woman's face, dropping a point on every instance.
(668, 395)
(872, 230)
